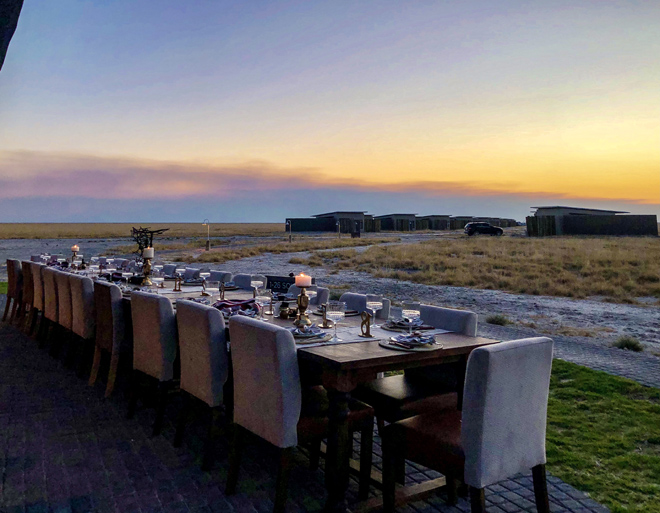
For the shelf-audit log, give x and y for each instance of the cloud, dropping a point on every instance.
(29, 174)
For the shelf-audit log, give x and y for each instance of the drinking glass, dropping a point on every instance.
(127, 276)
(94, 269)
(374, 305)
(263, 300)
(410, 311)
(336, 310)
(157, 281)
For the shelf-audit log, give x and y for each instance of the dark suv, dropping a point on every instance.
(482, 228)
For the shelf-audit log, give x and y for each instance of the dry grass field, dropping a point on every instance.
(299, 244)
(619, 268)
(114, 230)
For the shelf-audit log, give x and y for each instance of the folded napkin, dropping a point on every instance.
(416, 339)
(404, 323)
(307, 331)
(230, 307)
(201, 300)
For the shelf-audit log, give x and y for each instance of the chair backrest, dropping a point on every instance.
(242, 281)
(359, 302)
(38, 283)
(191, 273)
(220, 276)
(50, 294)
(14, 278)
(505, 406)
(154, 335)
(82, 306)
(64, 306)
(119, 263)
(110, 322)
(35, 258)
(458, 321)
(103, 260)
(169, 270)
(267, 394)
(203, 351)
(322, 294)
(28, 285)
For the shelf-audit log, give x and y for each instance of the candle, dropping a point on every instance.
(302, 280)
(148, 253)
(75, 248)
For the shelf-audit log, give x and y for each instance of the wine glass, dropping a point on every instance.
(127, 276)
(374, 305)
(410, 312)
(157, 281)
(336, 310)
(263, 300)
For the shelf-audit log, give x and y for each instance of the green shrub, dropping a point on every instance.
(499, 319)
(628, 343)
(3, 287)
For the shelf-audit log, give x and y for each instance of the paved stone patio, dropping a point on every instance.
(63, 448)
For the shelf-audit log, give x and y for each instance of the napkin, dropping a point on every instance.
(230, 307)
(306, 331)
(416, 339)
(404, 323)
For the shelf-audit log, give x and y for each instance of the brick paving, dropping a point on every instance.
(63, 448)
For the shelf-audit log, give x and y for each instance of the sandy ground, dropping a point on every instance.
(605, 321)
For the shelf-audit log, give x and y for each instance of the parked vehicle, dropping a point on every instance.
(483, 229)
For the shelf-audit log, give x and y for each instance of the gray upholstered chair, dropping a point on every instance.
(270, 402)
(28, 296)
(64, 307)
(154, 348)
(359, 302)
(322, 294)
(243, 281)
(50, 299)
(14, 289)
(169, 271)
(424, 389)
(38, 302)
(204, 365)
(83, 323)
(191, 274)
(499, 433)
(110, 332)
(221, 276)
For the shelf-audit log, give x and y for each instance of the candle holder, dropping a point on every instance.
(146, 272)
(324, 310)
(74, 255)
(303, 303)
(365, 326)
(177, 284)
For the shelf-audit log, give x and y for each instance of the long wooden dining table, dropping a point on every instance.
(343, 366)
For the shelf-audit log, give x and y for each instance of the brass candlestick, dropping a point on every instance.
(324, 310)
(146, 273)
(222, 290)
(303, 303)
(177, 284)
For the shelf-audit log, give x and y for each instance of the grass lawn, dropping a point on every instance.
(604, 437)
(3, 287)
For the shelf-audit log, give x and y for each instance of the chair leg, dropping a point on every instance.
(112, 374)
(133, 395)
(540, 489)
(400, 469)
(366, 456)
(95, 366)
(235, 456)
(281, 491)
(477, 500)
(380, 424)
(209, 445)
(390, 457)
(32, 321)
(7, 309)
(314, 455)
(452, 490)
(163, 387)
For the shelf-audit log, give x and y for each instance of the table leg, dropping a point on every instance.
(339, 452)
(461, 368)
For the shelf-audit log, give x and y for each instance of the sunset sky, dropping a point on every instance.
(260, 110)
